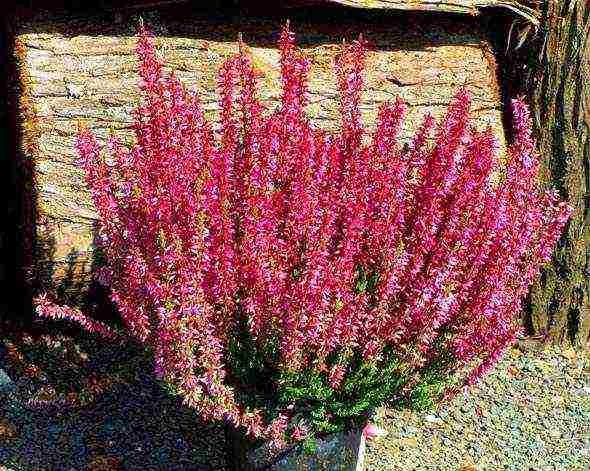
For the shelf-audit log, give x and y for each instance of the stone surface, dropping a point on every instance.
(7, 386)
(342, 451)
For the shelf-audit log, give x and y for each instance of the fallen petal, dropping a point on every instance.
(373, 431)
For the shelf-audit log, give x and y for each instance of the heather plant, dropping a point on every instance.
(289, 280)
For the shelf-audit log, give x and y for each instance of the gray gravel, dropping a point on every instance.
(531, 413)
(133, 425)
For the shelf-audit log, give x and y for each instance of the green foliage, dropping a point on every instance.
(261, 383)
(365, 387)
(310, 445)
(366, 281)
(251, 365)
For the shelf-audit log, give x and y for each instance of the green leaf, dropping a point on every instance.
(310, 445)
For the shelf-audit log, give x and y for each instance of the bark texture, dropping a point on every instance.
(559, 88)
(72, 70)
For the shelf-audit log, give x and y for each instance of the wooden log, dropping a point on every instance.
(85, 69)
(468, 7)
(522, 8)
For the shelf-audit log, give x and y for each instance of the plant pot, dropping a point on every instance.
(343, 451)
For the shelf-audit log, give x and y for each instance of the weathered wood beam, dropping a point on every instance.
(468, 7)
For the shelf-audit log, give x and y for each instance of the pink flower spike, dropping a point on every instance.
(321, 246)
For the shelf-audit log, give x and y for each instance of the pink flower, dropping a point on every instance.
(299, 432)
(336, 375)
(321, 243)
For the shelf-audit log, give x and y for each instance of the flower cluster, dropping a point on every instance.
(325, 248)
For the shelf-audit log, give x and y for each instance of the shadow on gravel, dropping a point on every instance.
(116, 416)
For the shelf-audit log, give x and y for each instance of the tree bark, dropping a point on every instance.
(558, 85)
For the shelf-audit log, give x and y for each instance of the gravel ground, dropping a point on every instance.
(531, 413)
(79, 404)
(83, 405)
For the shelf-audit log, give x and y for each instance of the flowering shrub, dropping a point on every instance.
(288, 280)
